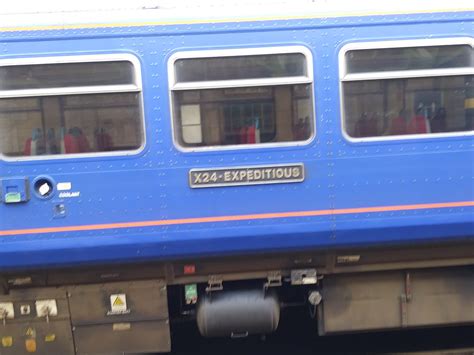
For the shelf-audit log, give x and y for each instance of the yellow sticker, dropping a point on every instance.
(7, 342)
(49, 338)
(118, 301)
(31, 332)
(118, 304)
(469, 103)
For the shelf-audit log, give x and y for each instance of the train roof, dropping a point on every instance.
(89, 13)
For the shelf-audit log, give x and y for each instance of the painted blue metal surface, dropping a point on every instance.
(153, 185)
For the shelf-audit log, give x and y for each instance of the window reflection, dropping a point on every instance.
(72, 124)
(247, 115)
(408, 106)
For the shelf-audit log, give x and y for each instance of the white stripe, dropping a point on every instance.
(56, 13)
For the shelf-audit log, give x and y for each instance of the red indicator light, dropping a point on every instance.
(189, 269)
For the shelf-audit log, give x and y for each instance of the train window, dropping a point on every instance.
(411, 58)
(230, 99)
(419, 91)
(240, 67)
(60, 75)
(57, 109)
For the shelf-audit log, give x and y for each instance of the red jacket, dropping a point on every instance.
(417, 124)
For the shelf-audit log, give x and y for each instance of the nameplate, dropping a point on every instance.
(246, 175)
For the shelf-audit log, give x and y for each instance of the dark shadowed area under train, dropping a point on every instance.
(297, 335)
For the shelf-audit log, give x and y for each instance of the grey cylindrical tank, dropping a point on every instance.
(238, 313)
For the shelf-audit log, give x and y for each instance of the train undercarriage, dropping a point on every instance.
(123, 308)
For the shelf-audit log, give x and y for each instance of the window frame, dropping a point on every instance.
(240, 83)
(399, 74)
(136, 87)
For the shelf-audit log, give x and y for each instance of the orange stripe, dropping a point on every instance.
(246, 217)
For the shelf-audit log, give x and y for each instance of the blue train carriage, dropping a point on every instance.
(164, 162)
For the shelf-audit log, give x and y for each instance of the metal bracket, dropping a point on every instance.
(408, 287)
(304, 277)
(214, 284)
(3, 316)
(273, 280)
(404, 310)
(405, 298)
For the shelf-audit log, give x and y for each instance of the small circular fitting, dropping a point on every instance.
(43, 187)
(314, 298)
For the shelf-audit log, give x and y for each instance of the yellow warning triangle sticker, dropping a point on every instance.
(118, 301)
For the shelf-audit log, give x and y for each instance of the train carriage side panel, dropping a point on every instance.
(159, 169)
(141, 205)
